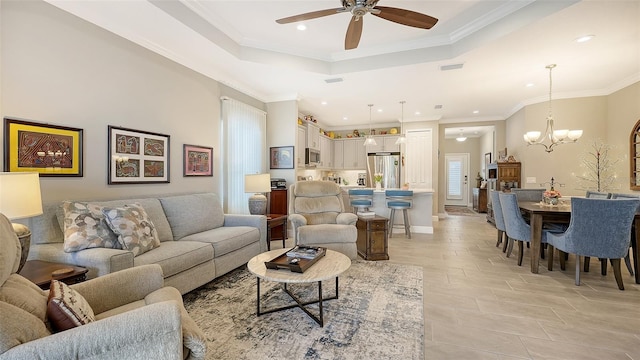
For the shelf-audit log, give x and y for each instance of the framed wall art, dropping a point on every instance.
(487, 161)
(137, 157)
(50, 150)
(198, 160)
(281, 157)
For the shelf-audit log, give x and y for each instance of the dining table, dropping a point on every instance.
(540, 214)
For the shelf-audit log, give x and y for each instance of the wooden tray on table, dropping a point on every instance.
(284, 262)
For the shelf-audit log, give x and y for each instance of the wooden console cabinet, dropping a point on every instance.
(480, 200)
(373, 242)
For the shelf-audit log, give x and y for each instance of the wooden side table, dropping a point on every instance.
(40, 273)
(276, 228)
(373, 240)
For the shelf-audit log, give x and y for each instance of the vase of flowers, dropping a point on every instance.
(551, 197)
(377, 179)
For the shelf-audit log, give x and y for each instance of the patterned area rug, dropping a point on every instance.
(377, 316)
(459, 210)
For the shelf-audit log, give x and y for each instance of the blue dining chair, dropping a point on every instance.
(597, 195)
(598, 228)
(499, 220)
(528, 194)
(517, 228)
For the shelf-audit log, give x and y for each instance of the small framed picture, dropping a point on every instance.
(198, 160)
(137, 157)
(281, 157)
(502, 155)
(487, 161)
(49, 150)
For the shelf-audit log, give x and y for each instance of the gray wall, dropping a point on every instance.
(59, 69)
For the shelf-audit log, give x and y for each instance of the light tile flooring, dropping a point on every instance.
(479, 304)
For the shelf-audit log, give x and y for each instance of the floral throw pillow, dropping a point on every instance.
(135, 231)
(85, 227)
(66, 308)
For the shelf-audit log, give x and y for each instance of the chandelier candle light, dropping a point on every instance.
(555, 137)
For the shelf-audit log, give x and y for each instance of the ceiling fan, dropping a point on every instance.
(359, 8)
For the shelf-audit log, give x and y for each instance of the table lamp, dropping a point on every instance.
(257, 184)
(19, 199)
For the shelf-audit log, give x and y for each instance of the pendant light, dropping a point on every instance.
(402, 139)
(461, 138)
(370, 140)
(555, 137)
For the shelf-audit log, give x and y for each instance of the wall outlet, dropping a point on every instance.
(531, 180)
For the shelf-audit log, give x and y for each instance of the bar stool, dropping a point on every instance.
(360, 199)
(399, 200)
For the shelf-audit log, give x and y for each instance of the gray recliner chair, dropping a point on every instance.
(318, 217)
(136, 317)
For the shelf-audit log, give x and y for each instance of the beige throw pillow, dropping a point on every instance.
(135, 231)
(66, 308)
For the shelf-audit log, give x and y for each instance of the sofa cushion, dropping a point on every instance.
(22, 293)
(191, 214)
(85, 227)
(66, 308)
(18, 327)
(226, 239)
(135, 231)
(177, 256)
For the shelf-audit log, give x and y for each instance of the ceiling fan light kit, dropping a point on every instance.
(358, 9)
(555, 137)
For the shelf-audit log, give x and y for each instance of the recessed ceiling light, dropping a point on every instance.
(476, 111)
(585, 38)
(417, 112)
(379, 110)
(345, 118)
(529, 85)
(324, 103)
(301, 27)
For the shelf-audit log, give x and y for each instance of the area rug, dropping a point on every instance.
(378, 315)
(459, 210)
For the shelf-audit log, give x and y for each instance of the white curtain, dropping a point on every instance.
(244, 142)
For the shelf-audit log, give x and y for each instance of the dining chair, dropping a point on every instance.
(528, 194)
(517, 229)
(598, 228)
(603, 262)
(627, 259)
(499, 220)
(597, 195)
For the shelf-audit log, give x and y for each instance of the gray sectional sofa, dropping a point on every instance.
(198, 242)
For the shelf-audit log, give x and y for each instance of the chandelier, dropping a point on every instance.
(402, 139)
(555, 137)
(370, 140)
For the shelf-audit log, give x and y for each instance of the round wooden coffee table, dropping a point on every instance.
(328, 267)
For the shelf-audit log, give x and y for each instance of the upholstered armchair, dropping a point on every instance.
(318, 217)
(132, 316)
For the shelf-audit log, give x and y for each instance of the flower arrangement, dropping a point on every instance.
(552, 194)
(377, 177)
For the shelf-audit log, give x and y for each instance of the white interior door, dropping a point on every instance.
(457, 179)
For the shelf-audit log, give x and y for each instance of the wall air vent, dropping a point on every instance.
(451, 67)
(334, 80)
(438, 107)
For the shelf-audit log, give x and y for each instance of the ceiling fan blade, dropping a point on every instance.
(310, 15)
(354, 32)
(406, 17)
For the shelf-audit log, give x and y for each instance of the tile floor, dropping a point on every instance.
(479, 304)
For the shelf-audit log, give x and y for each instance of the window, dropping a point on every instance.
(244, 142)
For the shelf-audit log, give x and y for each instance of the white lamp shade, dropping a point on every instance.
(258, 183)
(20, 195)
(533, 135)
(575, 134)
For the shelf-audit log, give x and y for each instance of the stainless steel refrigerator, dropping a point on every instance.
(386, 163)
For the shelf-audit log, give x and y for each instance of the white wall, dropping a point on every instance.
(59, 69)
(282, 126)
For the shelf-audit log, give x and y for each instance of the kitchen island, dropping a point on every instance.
(420, 215)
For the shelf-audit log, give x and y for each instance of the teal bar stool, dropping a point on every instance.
(400, 200)
(360, 199)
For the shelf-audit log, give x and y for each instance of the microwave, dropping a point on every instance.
(311, 157)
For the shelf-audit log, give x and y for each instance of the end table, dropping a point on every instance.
(41, 272)
(276, 228)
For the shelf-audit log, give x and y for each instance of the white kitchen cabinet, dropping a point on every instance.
(384, 143)
(326, 152)
(313, 136)
(301, 143)
(338, 154)
(355, 154)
